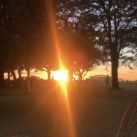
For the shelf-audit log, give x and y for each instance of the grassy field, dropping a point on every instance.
(94, 112)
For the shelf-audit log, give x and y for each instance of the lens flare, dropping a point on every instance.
(60, 75)
(56, 43)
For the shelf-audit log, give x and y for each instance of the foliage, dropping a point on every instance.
(109, 24)
(22, 34)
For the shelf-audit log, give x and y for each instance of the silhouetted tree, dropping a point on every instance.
(77, 51)
(23, 35)
(106, 22)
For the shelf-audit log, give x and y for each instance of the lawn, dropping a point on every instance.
(94, 112)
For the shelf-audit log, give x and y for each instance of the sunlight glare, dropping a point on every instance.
(60, 75)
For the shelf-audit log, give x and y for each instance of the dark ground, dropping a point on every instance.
(96, 112)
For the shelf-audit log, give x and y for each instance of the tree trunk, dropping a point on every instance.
(49, 74)
(8, 75)
(28, 73)
(28, 79)
(114, 73)
(13, 74)
(19, 73)
(80, 76)
(1, 77)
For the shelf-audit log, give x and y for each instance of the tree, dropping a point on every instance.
(76, 47)
(23, 35)
(77, 52)
(106, 22)
(80, 70)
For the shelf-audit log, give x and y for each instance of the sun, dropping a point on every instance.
(60, 75)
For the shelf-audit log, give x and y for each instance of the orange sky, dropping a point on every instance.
(124, 72)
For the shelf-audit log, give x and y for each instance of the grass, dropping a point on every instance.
(96, 113)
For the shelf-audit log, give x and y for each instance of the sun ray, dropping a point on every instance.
(60, 75)
(52, 22)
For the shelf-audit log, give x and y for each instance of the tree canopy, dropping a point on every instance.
(22, 34)
(89, 31)
(109, 24)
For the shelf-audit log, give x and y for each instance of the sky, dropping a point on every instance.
(124, 73)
